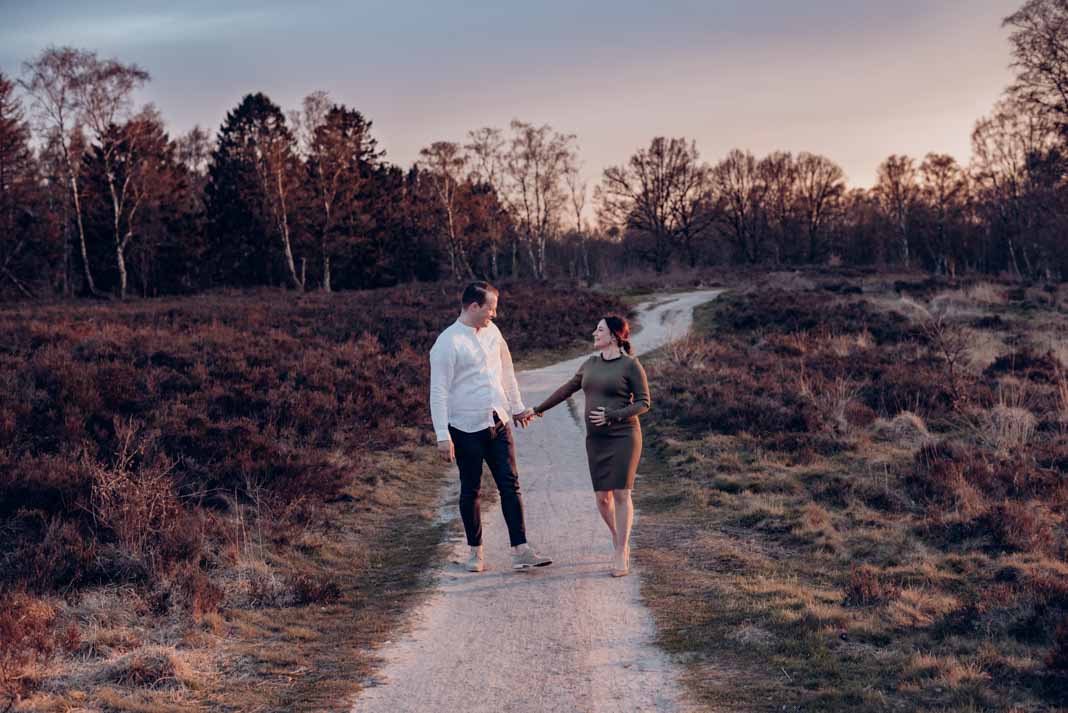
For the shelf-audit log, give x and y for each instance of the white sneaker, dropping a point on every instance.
(527, 558)
(475, 562)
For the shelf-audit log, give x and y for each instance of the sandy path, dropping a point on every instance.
(566, 638)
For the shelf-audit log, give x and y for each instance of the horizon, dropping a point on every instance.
(758, 76)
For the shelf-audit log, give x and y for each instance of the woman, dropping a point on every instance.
(617, 392)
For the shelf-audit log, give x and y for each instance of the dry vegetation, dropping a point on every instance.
(222, 502)
(859, 497)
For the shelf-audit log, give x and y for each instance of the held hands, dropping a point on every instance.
(598, 417)
(523, 419)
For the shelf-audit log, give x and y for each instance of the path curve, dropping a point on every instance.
(562, 639)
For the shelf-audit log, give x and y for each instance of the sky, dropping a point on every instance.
(854, 80)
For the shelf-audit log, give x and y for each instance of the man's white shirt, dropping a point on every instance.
(471, 378)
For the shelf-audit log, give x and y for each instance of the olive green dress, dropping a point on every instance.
(620, 386)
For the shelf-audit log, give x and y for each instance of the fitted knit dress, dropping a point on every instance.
(620, 386)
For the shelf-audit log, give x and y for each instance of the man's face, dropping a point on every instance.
(481, 316)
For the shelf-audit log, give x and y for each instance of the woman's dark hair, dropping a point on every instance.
(620, 329)
(476, 292)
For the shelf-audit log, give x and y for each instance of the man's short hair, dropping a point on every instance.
(476, 292)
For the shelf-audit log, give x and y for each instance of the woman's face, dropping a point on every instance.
(602, 336)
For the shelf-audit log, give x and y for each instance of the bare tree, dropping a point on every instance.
(944, 187)
(537, 160)
(133, 157)
(737, 186)
(194, 151)
(309, 118)
(820, 185)
(576, 189)
(53, 79)
(662, 191)
(778, 173)
(1039, 40)
(486, 149)
(276, 167)
(104, 91)
(1004, 146)
(57, 202)
(897, 189)
(445, 163)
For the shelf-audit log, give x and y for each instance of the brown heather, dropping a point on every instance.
(192, 462)
(848, 514)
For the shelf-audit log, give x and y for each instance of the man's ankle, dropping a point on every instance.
(520, 548)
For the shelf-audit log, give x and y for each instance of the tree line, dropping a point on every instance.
(96, 197)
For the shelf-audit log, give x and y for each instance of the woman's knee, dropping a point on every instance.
(604, 497)
(622, 497)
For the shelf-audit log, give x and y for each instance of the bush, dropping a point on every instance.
(788, 312)
(1057, 658)
(1022, 526)
(122, 424)
(154, 667)
(906, 428)
(314, 589)
(31, 634)
(1026, 364)
(866, 587)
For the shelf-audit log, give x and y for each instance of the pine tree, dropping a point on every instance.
(250, 196)
(17, 191)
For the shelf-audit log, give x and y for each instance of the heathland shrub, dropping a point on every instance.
(1026, 364)
(31, 633)
(156, 667)
(1057, 658)
(939, 468)
(787, 312)
(1022, 526)
(916, 385)
(963, 542)
(867, 587)
(1006, 428)
(905, 429)
(122, 425)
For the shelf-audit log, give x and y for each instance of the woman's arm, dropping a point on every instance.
(639, 387)
(569, 387)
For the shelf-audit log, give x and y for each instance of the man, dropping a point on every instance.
(473, 396)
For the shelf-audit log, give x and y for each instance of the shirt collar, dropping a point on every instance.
(472, 330)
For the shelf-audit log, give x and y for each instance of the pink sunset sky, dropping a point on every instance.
(855, 81)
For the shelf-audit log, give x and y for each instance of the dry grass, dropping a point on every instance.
(906, 428)
(152, 667)
(907, 562)
(1006, 428)
(266, 649)
(224, 478)
(984, 347)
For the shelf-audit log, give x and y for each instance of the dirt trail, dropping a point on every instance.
(564, 638)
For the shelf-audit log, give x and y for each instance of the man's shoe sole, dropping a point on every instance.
(520, 567)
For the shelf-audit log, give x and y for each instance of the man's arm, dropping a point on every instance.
(442, 364)
(508, 381)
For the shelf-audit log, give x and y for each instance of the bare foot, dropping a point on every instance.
(621, 562)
